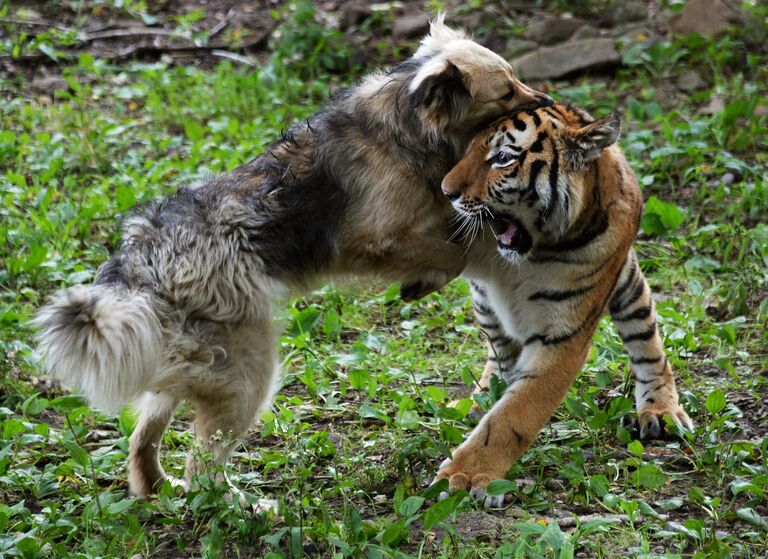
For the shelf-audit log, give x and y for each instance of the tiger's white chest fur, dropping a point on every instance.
(508, 289)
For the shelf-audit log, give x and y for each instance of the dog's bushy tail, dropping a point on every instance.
(105, 340)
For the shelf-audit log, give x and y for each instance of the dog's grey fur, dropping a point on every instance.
(183, 311)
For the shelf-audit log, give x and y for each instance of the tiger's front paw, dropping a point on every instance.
(472, 476)
(651, 421)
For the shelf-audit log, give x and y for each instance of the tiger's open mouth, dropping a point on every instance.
(511, 235)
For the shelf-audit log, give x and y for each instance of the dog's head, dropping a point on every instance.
(462, 84)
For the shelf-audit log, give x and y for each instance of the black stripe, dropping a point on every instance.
(518, 124)
(488, 325)
(585, 237)
(551, 113)
(496, 340)
(536, 168)
(521, 158)
(622, 288)
(548, 295)
(640, 314)
(482, 309)
(477, 287)
(554, 171)
(538, 145)
(535, 117)
(644, 360)
(546, 340)
(594, 271)
(645, 335)
(633, 297)
(644, 381)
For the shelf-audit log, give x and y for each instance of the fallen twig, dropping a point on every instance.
(234, 56)
(216, 29)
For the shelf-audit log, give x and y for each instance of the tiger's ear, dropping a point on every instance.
(587, 143)
(440, 95)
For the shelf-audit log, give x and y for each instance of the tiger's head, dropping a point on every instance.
(527, 175)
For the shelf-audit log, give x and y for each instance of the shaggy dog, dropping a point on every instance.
(183, 311)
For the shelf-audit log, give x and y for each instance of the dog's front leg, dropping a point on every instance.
(426, 264)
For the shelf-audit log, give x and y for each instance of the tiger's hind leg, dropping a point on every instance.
(633, 312)
(503, 351)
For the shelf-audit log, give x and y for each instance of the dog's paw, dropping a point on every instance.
(472, 479)
(412, 291)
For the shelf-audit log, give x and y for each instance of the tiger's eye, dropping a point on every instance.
(509, 96)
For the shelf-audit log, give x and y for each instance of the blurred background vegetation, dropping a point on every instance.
(108, 103)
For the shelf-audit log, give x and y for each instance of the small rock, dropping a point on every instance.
(635, 32)
(586, 31)
(554, 485)
(553, 30)
(690, 80)
(516, 47)
(354, 13)
(410, 27)
(666, 95)
(707, 17)
(566, 58)
(623, 11)
(468, 21)
(715, 105)
(471, 525)
(50, 84)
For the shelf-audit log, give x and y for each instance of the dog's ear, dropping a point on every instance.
(587, 143)
(441, 97)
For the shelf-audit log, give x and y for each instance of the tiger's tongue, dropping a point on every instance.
(509, 233)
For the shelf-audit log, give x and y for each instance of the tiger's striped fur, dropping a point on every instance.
(564, 208)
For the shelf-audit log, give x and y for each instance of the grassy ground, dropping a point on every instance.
(361, 424)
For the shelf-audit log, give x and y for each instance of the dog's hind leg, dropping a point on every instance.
(145, 473)
(241, 384)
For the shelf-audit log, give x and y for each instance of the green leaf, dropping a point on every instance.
(439, 511)
(636, 448)
(599, 485)
(501, 487)
(120, 506)
(358, 378)
(661, 218)
(393, 533)
(76, 451)
(411, 505)
(715, 402)
(193, 130)
(750, 516)
(650, 476)
(371, 411)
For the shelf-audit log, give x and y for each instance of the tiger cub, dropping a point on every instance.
(564, 208)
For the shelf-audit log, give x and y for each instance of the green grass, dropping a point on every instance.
(361, 424)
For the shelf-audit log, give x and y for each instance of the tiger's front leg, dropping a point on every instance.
(536, 387)
(634, 314)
